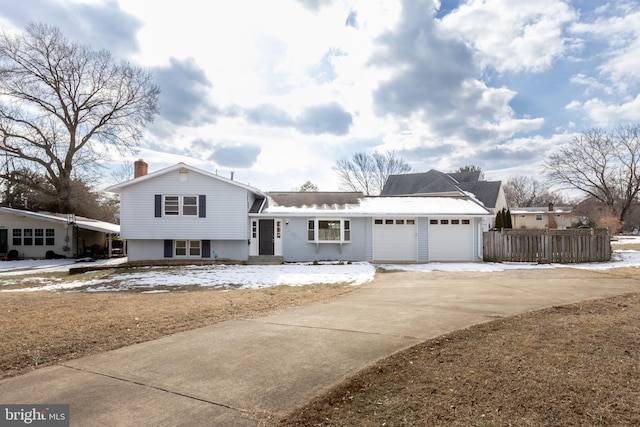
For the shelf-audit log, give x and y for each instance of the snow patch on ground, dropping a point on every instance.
(154, 279)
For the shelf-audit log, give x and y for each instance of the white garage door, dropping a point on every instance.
(450, 240)
(394, 239)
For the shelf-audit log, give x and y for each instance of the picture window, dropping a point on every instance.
(328, 230)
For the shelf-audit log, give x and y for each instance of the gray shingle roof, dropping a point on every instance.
(485, 191)
(314, 198)
(419, 183)
(472, 176)
(436, 183)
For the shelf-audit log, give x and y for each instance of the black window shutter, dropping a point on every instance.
(158, 205)
(202, 206)
(168, 248)
(206, 249)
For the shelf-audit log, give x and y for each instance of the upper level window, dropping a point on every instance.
(329, 230)
(180, 205)
(538, 217)
(189, 205)
(171, 205)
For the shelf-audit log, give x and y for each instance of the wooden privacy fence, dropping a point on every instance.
(558, 246)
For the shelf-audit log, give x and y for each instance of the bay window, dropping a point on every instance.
(328, 230)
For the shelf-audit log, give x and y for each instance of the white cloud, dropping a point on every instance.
(621, 35)
(285, 88)
(608, 114)
(514, 36)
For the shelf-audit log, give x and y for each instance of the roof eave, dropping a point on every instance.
(118, 187)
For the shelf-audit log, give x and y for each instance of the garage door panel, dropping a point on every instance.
(450, 242)
(394, 241)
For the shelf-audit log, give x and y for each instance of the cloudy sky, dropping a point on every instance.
(277, 91)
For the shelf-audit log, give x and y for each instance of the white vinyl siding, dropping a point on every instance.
(227, 206)
(54, 234)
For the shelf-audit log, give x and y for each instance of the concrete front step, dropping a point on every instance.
(265, 260)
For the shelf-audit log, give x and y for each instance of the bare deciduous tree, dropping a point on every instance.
(469, 168)
(369, 172)
(63, 106)
(525, 191)
(604, 165)
(308, 186)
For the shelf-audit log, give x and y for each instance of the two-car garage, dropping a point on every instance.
(449, 239)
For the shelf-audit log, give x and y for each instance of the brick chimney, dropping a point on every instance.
(140, 168)
(550, 207)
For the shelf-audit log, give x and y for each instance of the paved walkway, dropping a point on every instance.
(249, 372)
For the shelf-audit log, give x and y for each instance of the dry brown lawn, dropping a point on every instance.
(44, 328)
(576, 365)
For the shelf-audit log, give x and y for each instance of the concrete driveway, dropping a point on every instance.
(250, 372)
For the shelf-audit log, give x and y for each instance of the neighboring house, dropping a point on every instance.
(551, 216)
(183, 212)
(33, 234)
(459, 184)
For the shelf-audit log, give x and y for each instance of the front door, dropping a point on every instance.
(4, 244)
(265, 230)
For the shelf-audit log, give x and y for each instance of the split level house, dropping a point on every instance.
(182, 212)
